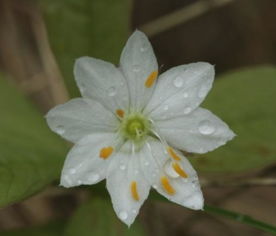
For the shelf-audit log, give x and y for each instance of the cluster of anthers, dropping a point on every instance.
(129, 127)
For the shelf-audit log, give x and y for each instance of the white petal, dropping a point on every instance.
(124, 173)
(138, 62)
(103, 82)
(80, 117)
(180, 90)
(200, 131)
(83, 164)
(186, 190)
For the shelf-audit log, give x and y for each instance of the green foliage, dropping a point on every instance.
(53, 229)
(79, 28)
(97, 218)
(31, 156)
(245, 100)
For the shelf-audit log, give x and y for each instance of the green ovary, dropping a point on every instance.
(135, 127)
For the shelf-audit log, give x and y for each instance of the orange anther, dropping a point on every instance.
(150, 80)
(120, 113)
(173, 154)
(167, 186)
(179, 170)
(106, 152)
(134, 192)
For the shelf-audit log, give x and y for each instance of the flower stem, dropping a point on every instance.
(240, 218)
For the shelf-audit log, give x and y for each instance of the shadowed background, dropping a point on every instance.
(39, 41)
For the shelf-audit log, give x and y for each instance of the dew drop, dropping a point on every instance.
(72, 171)
(122, 167)
(185, 95)
(185, 180)
(60, 129)
(206, 128)
(79, 182)
(178, 82)
(166, 107)
(134, 211)
(146, 163)
(123, 215)
(169, 170)
(111, 91)
(187, 110)
(142, 49)
(136, 172)
(136, 68)
(154, 186)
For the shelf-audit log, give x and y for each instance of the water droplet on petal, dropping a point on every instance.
(111, 91)
(206, 128)
(169, 170)
(122, 167)
(185, 95)
(136, 68)
(142, 49)
(166, 107)
(136, 172)
(79, 182)
(134, 211)
(72, 171)
(123, 215)
(187, 110)
(146, 163)
(60, 129)
(154, 186)
(185, 180)
(178, 82)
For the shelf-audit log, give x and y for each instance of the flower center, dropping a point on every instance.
(135, 127)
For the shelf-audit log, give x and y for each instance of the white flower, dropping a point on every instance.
(129, 128)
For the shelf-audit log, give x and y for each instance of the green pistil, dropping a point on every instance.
(135, 127)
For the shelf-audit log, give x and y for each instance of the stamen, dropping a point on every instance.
(179, 170)
(120, 113)
(173, 154)
(134, 192)
(167, 186)
(150, 80)
(106, 152)
(170, 151)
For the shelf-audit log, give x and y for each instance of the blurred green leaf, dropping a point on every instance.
(245, 100)
(31, 156)
(79, 28)
(98, 218)
(53, 229)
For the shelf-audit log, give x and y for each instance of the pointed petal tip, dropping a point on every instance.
(138, 35)
(206, 66)
(126, 218)
(195, 202)
(137, 31)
